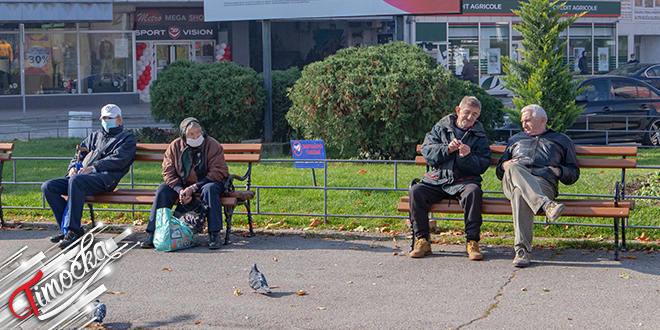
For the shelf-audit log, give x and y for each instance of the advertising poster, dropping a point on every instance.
(38, 55)
(603, 59)
(121, 48)
(494, 61)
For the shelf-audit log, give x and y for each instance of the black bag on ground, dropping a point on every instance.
(194, 214)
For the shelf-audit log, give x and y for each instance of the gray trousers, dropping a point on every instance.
(527, 194)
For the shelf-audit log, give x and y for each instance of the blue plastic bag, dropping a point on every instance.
(171, 233)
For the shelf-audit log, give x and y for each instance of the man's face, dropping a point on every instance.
(119, 120)
(466, 116)
(531, 125)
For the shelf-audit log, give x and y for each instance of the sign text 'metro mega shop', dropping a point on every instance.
(172, 24)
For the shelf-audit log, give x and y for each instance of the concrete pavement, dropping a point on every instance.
(360, 283)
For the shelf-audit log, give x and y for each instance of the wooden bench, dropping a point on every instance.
(616, 208)
(154, 152)
(5, 148)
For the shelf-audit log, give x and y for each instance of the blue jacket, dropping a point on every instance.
(111, 154)
(445, 165)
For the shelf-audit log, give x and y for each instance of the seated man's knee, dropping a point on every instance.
(415, 191)
(474, 191)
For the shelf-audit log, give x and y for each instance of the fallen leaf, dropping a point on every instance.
(565, 226)
(274, 287)
(237, 292)
(523, 289)
(198, 322)
(320, 308)
(368, 193)
(629, 257)
(601, 172)
(626, 276)
(168, 269)
(585, 253)
(361, 171)
(114, 292)
(274, 259)
(545, 290)
(350, 282)
(396, 246)
(394, 253)
(360, 229)
(138, 222)
(341, 227)
(568, 318)
(643, 237)
(559, 253)
(301, 292)
(321, 268)
(315, 222)
(358, 203)
(292, 305)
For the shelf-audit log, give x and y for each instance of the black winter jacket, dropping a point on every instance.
(444, 165)
(111, 154)
(538, 152)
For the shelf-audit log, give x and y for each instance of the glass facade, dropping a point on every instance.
(10, 67)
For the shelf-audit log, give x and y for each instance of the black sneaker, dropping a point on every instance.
(56, 238)
(70, 237)
(149, 243)
(214, 240)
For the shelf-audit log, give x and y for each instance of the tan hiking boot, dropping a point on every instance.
(473, 251)
(553, 210)
(422, 248)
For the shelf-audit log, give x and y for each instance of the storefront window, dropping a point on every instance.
(432, 37)
(494, 44)
(50, 26)
(10, 77)
(204, 52)
(106, 62)
(463, 44)
(623, 50)
(604, 49)
(564, 50)
(516, 45)
(50, 62)
(580, 41)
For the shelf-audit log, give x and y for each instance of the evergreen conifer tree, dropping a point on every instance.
(542, 77)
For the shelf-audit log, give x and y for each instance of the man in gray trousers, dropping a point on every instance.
(531, 167)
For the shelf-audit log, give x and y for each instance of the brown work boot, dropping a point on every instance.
(522, 258)
(473, 251)
(422, 248)
(553, 210)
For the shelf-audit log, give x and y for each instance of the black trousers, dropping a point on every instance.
(422, 196)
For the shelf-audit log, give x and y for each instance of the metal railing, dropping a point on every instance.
(325, 188)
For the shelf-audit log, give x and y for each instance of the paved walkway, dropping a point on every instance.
(361, 284)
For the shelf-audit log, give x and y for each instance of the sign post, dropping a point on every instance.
(308, 150)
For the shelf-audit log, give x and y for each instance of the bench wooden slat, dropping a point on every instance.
(228, 147)
(568, 202)
(579, 150)
(5, 157)
(6, 146)
(502, 209)
(118, 198)
(229, 158)
(582, 162)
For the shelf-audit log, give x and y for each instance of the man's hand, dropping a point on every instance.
(185, 196)
(86, 170)
(72, 171)
(464, 150)
(555, 170)
(454, 145)
(506, 164)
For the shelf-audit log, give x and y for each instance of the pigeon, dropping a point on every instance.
(257, 281)
(99, 311)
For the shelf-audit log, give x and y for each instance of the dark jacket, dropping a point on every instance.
(111, 154)
(538, 152)
(468, 71)
(214, 163)
(583, 65)
(444, 165)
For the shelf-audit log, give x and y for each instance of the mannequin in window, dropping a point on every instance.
(106, 54)
(6, 57)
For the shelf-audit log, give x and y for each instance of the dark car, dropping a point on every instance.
(616, 109)
(648, 73)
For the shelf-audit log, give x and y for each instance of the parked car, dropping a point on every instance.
(107, 82)
(616, 109)
(649, 73)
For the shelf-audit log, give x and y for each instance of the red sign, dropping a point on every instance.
(149, 17)
(174, 31)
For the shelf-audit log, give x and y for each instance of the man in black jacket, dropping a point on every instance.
(530, 169)
(458, 153)
(111, 151)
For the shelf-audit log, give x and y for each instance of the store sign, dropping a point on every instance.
(173, 24)
(505, 7)
(237, 10)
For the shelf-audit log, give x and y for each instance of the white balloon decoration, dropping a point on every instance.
(223, 45)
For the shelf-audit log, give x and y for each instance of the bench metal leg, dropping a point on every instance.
(91, 213)
(2, 216)
(229, 213)
(623, 235)
(249, 216)
(616, 239)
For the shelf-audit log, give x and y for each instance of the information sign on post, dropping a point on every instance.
(308, 150)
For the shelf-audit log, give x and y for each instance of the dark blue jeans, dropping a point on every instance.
(76, 188)
(210, 194)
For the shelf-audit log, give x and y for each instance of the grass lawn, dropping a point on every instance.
(274, 201)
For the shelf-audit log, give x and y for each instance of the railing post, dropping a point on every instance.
(325, 191)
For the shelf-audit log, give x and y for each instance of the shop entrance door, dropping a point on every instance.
(169, 52)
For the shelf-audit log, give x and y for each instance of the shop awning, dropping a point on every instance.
(55, 11)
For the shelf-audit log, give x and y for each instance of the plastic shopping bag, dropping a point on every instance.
(171, 233)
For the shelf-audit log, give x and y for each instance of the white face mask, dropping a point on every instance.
(195, 142)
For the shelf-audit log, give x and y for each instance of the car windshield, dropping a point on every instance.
(628, 69)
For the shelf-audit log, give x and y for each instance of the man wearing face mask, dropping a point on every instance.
(192, 163)
(458, 153)
(110, 153)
